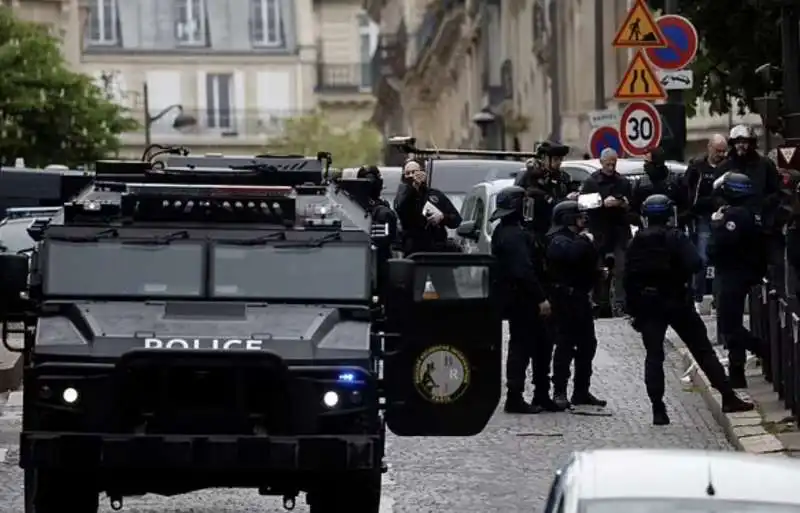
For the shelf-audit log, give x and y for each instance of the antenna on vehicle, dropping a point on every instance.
(710, 490)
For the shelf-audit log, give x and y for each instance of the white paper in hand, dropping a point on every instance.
(590, 201)
(430, 209)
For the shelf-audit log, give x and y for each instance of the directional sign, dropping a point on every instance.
(602, 138)
(598, 118)
(639, 30)
(676, 80)
(639, 82)
(681, 43)
(640, 128)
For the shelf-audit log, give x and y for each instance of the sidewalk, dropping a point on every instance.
(769, 429)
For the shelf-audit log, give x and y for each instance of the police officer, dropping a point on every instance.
(381, 213)
(523, 302)
(737, 249)
(572, 264)
(658, 180)
(661, 262)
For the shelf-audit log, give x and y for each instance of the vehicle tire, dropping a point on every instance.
(55, 491)
(359, 493)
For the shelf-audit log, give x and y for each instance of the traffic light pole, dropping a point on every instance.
(790, 42)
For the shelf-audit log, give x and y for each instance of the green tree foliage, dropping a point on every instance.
(736, 37)
(49, 114)
(306, 135)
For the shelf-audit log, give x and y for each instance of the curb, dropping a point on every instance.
(744, 430)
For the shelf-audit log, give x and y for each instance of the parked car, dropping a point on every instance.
(664, 480)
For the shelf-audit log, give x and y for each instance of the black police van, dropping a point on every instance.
(212, 323)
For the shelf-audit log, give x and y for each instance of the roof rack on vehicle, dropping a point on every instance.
(409, 145)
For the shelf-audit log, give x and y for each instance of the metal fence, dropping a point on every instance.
(775, 320)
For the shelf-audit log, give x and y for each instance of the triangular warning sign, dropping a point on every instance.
(640, 82)
(788, 154)
(639, 30)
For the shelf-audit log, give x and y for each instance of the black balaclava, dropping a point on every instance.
(656, 168)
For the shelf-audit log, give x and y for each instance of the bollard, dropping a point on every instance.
(795, 329)
(775, 342)
(787, 346)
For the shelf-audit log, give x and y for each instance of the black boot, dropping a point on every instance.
(516, 404)
(732, 403)
(587, 399)
(560, 398)
(660, 417)
(547, 404)
(736, 376)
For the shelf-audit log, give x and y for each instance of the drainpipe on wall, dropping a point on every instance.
(555, 72)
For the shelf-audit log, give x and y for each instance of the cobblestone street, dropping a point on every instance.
(506, 468)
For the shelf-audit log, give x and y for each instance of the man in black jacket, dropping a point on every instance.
(699, 179)
(425, 214)
(609, 224)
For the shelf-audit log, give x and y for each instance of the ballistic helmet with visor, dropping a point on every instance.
(741, 133)
(551, 149)
(509, 201)
(658, 209)
(567, 213)
(734, 186)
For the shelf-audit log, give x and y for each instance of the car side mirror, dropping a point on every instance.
(468, 230)
(13, 277)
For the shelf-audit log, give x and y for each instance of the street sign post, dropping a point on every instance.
(786, 157)
(682, 42)
(602, 138)
(639, 82)
(639, 30)
(640, 128)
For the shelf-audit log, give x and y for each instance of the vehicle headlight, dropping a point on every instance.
(330, 399)
(70, 395)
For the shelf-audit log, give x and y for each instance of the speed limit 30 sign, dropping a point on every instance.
(639, 128)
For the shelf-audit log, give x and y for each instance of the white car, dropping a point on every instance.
(675, 481)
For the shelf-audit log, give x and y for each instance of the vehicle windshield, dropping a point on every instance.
(187, 269)
(683, 506)
(460, 176)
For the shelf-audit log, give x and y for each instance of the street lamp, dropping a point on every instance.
(483, 120)
(181, 120)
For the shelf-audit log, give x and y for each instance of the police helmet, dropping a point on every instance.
(551, 149)
(567, 213)
(658, 208)
(373, 174)
(741, 133)
(734, 186)
(509, 201)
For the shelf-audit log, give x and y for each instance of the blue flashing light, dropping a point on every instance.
(347, 377)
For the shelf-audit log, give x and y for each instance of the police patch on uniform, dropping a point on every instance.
(730, 226)
(441, 374)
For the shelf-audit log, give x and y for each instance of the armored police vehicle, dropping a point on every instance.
(212, 323)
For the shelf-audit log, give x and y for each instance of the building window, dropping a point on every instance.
(366, 43)
(219, 100)
(103, 22)
(190, 22)
(266, 23)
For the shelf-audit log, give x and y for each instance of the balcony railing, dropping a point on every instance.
(344, 78)
(223, 124)
(389, 59)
